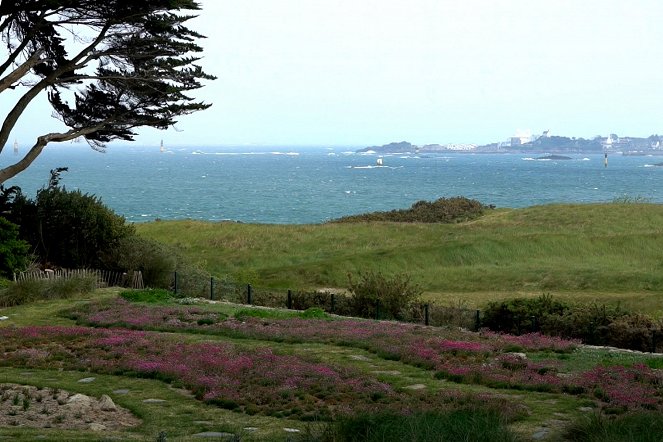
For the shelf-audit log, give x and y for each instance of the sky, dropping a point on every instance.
(369, 72)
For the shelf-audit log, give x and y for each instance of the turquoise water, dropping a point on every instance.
(288, 185)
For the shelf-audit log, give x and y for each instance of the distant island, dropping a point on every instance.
(537, 144)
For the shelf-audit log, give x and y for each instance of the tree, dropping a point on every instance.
(107, 67)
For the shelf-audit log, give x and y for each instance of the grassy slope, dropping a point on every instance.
(612, 249)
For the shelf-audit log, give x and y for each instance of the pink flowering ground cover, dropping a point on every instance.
(256, 381)
(478, 358)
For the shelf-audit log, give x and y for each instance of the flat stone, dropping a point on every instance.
(250, 428)
(97, 427)
(203, 422)
(291, 430)
(586, 409)
(86, 380)
(415, 387)
(154, 401)
(27, 373)
(211, 434)
(4, 318)
(389, 372)
(541, 434)
(121, 391)
(359, 358)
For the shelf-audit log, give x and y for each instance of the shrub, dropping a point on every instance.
(13, 251)
(374, 294)
(517, 315)
(443, 210)
(156, 261)
(66, 228)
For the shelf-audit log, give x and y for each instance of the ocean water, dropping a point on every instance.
(313, 185)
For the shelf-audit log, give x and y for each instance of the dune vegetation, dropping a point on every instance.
(593, 252)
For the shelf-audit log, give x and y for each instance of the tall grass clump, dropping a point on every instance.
(457, 425)
(26, 291)
(632, 427)
(443, 210)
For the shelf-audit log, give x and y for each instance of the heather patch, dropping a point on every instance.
(259, 381)
(485, 358)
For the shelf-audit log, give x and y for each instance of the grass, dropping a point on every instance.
(569, 250)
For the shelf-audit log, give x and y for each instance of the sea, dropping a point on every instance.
(303, 185)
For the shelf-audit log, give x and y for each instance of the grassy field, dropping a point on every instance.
(285, 368)
(605, 252)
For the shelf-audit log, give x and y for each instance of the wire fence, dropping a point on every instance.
(329, 301)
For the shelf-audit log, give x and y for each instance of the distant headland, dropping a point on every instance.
(537, 144)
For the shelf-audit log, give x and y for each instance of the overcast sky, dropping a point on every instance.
(366, 72)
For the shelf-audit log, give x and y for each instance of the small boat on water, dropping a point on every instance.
(379, 162)
(162, 149)
(15, 147)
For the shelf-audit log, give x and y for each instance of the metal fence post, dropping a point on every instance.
(249, 295)
(653, 341)
(289, 299)
(211, 288)
(426, 315)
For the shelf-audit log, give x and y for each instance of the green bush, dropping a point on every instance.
(374, 294)
(156, 261)
(443, 210)
(13, 251)
(65, 228)
(593, 324)
(518, 315)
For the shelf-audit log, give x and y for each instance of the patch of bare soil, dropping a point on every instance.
(28, 406)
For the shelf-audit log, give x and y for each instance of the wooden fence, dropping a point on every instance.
(104, 278)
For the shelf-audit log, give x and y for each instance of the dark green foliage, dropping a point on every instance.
(593, 324)
(443, 210)
(155, 260)
(135, 69)
(376, 295)
(13, 251)
(23, 292)
(632, 427)
(75, 229)
(452, 426)
(152, 296)
(517, 315)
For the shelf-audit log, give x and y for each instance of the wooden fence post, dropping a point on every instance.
(211, 288)
(426, 315)
(175, 283)
(249, 295)
(477, 319)
(333, 303)
(289, 302)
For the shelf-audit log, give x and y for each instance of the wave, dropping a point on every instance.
(200, 152)
(374, 167)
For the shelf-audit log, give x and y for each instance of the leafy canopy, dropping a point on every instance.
(107, 67)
